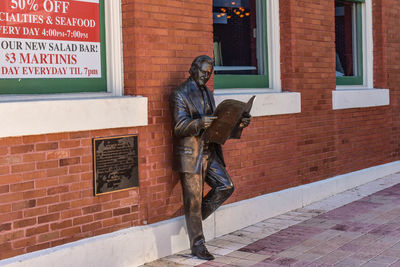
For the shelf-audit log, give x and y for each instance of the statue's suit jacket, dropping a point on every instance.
(187, 110)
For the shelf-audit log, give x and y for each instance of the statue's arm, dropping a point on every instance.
(184, 125)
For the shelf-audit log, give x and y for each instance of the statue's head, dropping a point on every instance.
(201, 70)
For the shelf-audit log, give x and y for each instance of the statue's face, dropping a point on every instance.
(202, 74)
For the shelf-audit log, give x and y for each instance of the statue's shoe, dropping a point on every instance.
(201, 252)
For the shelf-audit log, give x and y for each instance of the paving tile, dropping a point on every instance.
(333, 257)
(222, 251)
(383, 243)
(349, 262)
(310, 243)
(226, 244)
(359, 242)
(396, 264)
(225, 259)
(238, 239)
(166, 263)
(245, 263)
(310, 257)
(258, 257)
(395, 253)
(210, 248)
(239, 254)
(266, 264)
(254, 235)
(299, 215)
(385, 259)
(367, 253)
(342, 239)
(323, 249)
(396, 246)
(300, 248)
(178, 258)
(289, 253)
(310, 210)
(316, 265)
(325, 235)
(212, 264)
(254, 228)
(285, 261)
(192, 261)
(374, 264)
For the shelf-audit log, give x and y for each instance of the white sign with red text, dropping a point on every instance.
(50, 39)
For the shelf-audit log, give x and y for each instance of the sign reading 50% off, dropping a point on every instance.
(50, 6)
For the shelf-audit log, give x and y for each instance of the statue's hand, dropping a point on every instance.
(206, 121)
(245, 121)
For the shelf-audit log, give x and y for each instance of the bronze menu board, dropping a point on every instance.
(115, 163)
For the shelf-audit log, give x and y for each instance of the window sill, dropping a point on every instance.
(39, 114)
(266, 102)
(357, 97)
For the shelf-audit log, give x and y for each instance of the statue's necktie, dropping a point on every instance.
(206, 102)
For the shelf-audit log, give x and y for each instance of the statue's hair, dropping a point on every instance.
(198, 61)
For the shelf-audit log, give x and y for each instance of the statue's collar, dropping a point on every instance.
(196, 85)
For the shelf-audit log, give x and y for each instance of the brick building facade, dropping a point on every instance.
(46, 179)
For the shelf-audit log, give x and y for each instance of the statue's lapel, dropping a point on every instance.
(211, 98)
(195, 97)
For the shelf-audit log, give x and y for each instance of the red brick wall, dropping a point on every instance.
(46, 192)
(391, 54)
(46, 183)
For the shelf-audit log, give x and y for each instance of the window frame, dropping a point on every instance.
(269, 101)
(47, 113)
(34, 86)
(114, 62)
(365, 95)
(230, 81)
(358, 16)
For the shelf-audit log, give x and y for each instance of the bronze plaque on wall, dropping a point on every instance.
(115, 163)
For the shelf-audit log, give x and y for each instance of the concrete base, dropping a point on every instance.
(137, 245)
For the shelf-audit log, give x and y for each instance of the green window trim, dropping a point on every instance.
(355, 80)
(348, 80)
(227, 81)
(63, 85)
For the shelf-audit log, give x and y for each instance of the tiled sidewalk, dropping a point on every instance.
(359, 227)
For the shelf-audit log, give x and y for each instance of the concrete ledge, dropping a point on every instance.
(32, 117)
(138, 245)
(346, 98)
(266, 103)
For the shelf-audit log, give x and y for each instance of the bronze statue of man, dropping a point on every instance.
(192, 105)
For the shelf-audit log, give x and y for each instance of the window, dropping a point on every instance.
(258, 72)
(51, 47)
(349, 45)
(354, 57)
(240, 46)
(30, 114)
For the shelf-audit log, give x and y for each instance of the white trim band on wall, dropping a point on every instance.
(68, 115)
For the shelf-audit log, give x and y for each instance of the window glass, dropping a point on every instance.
(348, 42)
(52, 46)
(239, 43)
